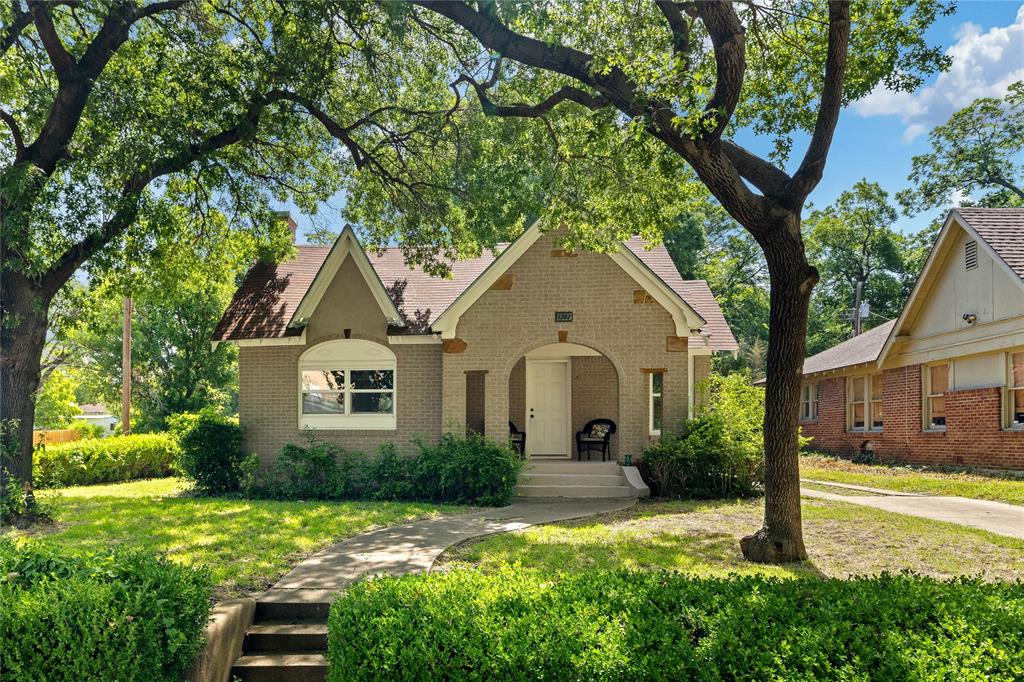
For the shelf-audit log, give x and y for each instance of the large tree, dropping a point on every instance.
(117, 114)
(976, 154)
(605, 79)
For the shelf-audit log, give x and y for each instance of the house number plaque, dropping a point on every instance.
(563, 316)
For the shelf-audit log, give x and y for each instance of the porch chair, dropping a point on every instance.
(596, 433)
(518, 439)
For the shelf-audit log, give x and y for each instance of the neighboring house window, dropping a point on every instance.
(864, 409)
(1016, 389)
(347, 384)
(656, 410)
(809, 402)
(936, 385)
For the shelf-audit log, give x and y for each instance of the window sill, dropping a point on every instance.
(1016, 428)
(348, 423)
(865, 431)
(934, 430)
(808, 421)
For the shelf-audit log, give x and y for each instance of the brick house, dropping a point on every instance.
(364, 350)
(944, 383)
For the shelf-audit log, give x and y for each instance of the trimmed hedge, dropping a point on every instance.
(211, 450)
(623, 625)
(105, 460)
(121, 615)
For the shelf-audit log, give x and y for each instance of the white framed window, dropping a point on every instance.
(656, 409)
(347, 384)
(809, 402)
(936, 384)
(865, 410)
(1015, 389)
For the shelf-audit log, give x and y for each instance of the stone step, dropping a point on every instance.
(575, 491)
(533, 478)
(283, 667)
(294, 605)
(571, 467)
(265, 638)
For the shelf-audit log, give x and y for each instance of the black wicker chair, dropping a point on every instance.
(518, 439)
(596, 434)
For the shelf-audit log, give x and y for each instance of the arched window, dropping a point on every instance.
(347, 384)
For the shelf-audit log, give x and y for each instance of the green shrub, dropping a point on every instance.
(622, 625)
(211, 450)
(86, 429)
(120, 615)
(105, 460)
(472, 470)
(718, 454)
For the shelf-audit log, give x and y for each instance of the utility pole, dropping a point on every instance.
(856, 308)
(126, 367)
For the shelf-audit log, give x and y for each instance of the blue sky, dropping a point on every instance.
(878, 136)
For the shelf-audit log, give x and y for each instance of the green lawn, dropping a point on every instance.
(703, 538)
(982, 486)
(247, 544)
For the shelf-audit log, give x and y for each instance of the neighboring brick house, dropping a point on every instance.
(365, 350)
(944, 383)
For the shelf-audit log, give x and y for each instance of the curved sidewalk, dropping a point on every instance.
(413, 547)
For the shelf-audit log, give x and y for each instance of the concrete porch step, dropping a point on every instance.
(294, 605)
(570, 467)
(286, 667)
(266, 638)
(538, 478)
(575, 491)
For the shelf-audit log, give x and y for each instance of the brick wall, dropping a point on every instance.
(504, 325)
(595, 395)
(973, 435)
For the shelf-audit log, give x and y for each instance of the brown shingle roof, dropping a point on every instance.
(1002, 229)
(269, 294)
(863, 348)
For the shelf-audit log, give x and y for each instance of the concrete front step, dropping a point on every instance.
(575, 491)
(294, 605)
(532, 478)
(290, 667)
(570, 467)
(266, 638)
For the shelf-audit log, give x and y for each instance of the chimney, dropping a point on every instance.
(287, 217)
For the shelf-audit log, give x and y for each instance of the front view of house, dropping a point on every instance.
(363, 350)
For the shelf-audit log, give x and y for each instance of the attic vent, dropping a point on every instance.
(970, 255)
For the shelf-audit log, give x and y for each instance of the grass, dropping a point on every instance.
(247, 544)
(977, 485)
(702, 538)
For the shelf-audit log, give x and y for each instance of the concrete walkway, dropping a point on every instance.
(995, 517)
(412, 548)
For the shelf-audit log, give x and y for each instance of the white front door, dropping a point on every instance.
(547, 407)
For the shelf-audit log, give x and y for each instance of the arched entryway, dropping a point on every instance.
(554, 390)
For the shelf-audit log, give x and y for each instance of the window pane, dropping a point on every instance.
(858, 389)
(1018, 406)
(323, 380)
(373, 403)
(858, 415)
(939, 379)
(373, 378)
(938, 411)
(323, 402)
(656, 413)
(877, 414)
(1018, 369)
(657, 381)
(876, 387)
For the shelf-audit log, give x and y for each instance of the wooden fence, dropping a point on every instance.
(52, 437)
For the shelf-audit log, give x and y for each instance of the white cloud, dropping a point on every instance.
(984, 65)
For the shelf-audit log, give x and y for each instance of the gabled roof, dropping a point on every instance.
(270, 295)
(999, 231)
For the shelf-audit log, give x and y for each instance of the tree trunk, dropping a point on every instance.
(22, 336)
(781, 538)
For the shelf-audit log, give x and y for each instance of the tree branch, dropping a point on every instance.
(808, 175)
(727, 38)
(1005, 184)
(763, 175)
(20, 19)
(565, 93)
(62, 61)
(19, 141)
(679, 26)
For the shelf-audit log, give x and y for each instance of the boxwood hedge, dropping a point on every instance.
(120, 615)
(105, 460)
(465, 625)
